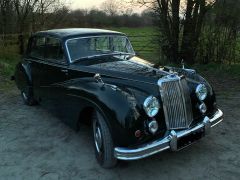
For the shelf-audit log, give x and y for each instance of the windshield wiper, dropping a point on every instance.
(100, 55)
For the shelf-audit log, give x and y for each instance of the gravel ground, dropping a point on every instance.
(36, 145)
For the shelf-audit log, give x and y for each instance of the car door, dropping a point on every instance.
(55, 71)
(54, 67)
(34, 58)
(48, 65)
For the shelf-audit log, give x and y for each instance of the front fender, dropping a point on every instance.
(118, 106)
(119, 103)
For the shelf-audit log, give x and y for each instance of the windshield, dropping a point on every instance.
(80, 48)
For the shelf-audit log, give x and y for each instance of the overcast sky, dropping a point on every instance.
(85, 4)
(88, 4)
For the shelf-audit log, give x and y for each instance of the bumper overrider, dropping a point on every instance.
(174, 140)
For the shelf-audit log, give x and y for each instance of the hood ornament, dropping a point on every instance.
(183, 65)
(98, 78)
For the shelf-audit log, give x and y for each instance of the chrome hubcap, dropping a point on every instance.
(24, 95)
(98, 138)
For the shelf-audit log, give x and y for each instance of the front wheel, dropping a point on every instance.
(103, 143)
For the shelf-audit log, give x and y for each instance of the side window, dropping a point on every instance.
(54, 51)
(121, 44)
(36, 49)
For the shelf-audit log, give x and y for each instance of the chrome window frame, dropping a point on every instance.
(69, 57)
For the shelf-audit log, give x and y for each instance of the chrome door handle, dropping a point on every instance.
(64, 70)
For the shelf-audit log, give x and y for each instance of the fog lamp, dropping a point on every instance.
(203, 108)
(153, 126)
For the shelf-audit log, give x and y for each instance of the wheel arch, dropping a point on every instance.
(116, 106)
(86, 113)
(22, 75)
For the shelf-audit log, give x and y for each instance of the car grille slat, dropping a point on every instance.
(176, 102)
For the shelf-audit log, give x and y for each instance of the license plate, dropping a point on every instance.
(190, 138)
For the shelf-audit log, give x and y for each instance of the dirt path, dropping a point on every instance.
(36, 145)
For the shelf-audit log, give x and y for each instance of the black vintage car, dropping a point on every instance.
(136, 110)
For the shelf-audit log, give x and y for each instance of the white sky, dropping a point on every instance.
(88, 4)
(85, 4)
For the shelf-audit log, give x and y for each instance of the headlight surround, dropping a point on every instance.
(151, 106)
(201, 92)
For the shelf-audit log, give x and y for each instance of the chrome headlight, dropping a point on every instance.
(201, 92)
(151, 106)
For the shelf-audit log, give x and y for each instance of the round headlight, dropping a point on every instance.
(151, 106)
(201, 92)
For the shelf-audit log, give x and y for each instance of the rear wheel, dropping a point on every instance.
(103, 143)
(27, 96)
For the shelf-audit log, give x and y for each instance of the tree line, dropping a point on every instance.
(197, 30)
(28, 16)
(22, 16)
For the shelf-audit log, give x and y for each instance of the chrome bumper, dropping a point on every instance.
(168, 142)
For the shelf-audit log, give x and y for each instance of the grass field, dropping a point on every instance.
(143, 43)
(8, 61)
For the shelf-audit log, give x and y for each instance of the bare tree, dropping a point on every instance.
(43, 10)
(219, 42)
(111, 7)
(28, 12)
(180, 23)
(5, 14)
(23, 9)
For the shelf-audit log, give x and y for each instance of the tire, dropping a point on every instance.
(27, 97)
(103, 143)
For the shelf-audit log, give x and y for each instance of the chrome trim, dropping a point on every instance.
(110, 35)
(169, 141)
(173, 140)
(176, 100)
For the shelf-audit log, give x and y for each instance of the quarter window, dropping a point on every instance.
(54, 50)
(37, 47)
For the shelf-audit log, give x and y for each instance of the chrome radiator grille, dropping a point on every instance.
(176, 102)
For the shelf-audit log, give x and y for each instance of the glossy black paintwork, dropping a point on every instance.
(70, 33)
(68, 89)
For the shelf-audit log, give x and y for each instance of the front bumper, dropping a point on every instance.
(170, 141)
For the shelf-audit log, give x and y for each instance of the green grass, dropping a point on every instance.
(8, 60)
(144, 41)
(220, 69)
(224, 78)
(135, 31)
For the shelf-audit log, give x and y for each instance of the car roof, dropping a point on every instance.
(77, 32)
